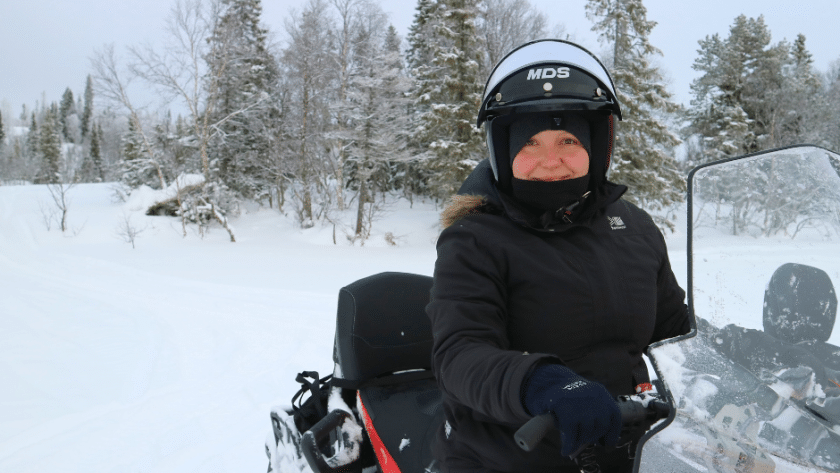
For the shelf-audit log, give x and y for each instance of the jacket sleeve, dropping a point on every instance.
(471, 357)
(672, 317)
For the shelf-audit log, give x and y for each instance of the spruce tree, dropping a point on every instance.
(764, 79)
(87, 114)
(419, 33)
(135, 166)
(92, 169)
(422, 72)
(68, 107)
(716, 114)
(33, 137)
(799, 98)
(450, 91)
(643, 158)
(738, 105)
(2, 132)
(244, 75)
(49, 146)
(803, 65)
(183, 154)
(748, 99)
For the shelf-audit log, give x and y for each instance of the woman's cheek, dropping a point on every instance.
(522, 166)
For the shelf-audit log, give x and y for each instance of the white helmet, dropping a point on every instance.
(549, 75)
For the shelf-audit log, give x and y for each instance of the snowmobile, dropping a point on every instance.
(754, 386)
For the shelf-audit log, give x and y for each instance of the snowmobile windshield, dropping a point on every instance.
(757, 386)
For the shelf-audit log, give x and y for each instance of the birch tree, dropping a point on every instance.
(376, 109)
(179, 73)
(343, 56)
(504, 25)
(307, 64)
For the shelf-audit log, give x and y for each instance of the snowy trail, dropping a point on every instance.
(113, 362)
(164, 358)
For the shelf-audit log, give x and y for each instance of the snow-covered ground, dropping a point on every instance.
(169, 356)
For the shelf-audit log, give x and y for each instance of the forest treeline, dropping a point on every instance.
(343, 114)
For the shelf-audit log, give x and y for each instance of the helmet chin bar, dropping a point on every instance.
(488, 136)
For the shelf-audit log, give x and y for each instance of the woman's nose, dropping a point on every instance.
(554, 157)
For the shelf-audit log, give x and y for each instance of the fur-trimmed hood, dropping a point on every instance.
(476, 195)
(460, 206)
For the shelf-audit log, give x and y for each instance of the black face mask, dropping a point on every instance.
(549, 195)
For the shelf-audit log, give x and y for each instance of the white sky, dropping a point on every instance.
(45, 45)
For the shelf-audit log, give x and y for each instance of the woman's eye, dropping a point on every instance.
(570, 141)
(531, 143)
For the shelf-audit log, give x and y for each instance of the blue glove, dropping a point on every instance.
(584, 412)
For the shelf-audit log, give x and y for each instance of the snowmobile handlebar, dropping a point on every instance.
(634, 415)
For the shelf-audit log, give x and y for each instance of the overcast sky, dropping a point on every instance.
(45, 45)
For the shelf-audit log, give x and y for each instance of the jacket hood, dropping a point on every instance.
(481, 183)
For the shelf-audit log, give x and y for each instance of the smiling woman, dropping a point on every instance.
(551, 155)
(548, 285)
(550, 159)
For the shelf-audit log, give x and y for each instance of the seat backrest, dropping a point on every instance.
(799, 304)
(382, 327)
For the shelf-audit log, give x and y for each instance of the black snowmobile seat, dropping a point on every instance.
(800, 307)
(382, 327)
(800, 304)
(383, 349)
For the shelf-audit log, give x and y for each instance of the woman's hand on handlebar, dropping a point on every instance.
(583, 411)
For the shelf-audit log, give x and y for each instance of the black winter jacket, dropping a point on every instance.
(509, 294)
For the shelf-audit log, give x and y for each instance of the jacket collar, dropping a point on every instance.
(482, 183)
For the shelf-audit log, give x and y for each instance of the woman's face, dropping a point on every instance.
(551, 155)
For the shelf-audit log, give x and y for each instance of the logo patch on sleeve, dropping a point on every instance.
(616, 223)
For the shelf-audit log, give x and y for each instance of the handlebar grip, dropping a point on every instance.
(530, 434)
(315, 435)
(634, 415)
